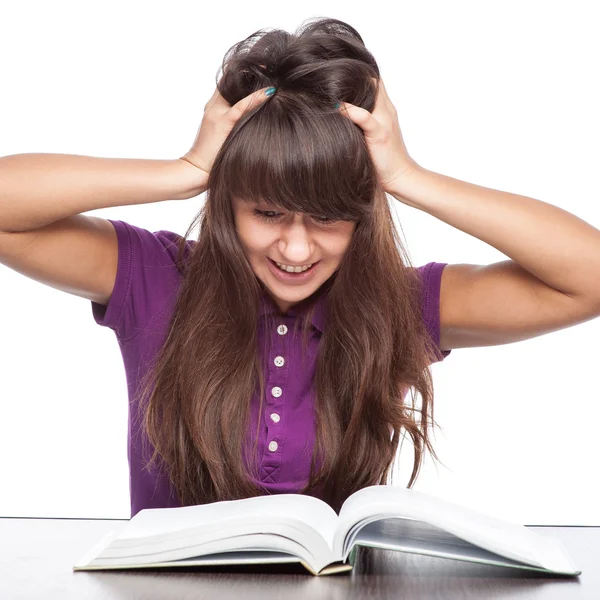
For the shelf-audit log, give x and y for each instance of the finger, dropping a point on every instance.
(362, 117)
(384, 95)
(247, 103)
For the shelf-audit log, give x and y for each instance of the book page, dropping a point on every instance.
(510, 540)
(418, 537)
(245, 543)
(297, 507)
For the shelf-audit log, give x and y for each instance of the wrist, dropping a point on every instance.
(403, 188)
(192, 180)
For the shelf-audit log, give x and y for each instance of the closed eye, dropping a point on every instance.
(270, 215)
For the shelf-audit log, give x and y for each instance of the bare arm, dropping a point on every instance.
(39, 189)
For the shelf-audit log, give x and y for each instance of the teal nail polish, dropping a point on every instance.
(337, 105)
(270, 91)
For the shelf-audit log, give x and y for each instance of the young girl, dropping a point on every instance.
(228, 399)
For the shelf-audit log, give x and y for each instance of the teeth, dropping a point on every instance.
(293, 269)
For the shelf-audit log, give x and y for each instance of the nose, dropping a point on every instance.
(295, 245)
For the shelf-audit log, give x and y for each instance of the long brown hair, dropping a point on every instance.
(296, 152)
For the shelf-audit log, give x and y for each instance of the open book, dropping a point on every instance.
(285, 528)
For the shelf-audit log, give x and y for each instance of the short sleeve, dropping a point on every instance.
(147, 278)
(431, 275)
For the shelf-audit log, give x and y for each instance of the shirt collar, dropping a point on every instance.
(268, 306)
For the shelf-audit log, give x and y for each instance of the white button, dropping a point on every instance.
(275, 417)
(276, 391)
(279, 361)
(282, 330)
(273, 446)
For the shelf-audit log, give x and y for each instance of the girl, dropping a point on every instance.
(227, 400)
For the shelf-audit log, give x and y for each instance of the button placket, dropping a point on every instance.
(279, 361)
(274, 405)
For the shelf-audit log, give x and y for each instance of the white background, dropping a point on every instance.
(502, 94)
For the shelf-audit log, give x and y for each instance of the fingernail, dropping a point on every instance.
(337, 105)
(270, 91)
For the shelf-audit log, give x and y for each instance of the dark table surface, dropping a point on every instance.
(37, 557)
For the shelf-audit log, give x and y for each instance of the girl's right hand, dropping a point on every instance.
(218, 120)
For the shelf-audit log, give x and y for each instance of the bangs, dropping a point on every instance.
(284, 159)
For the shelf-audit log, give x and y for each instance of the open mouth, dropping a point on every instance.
(285, 275)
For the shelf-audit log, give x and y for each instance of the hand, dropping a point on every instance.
(218, 120)
(384, 138)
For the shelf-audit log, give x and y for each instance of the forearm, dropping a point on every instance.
(554, 245)
(39, 189)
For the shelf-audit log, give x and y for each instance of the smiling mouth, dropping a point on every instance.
(277, 262)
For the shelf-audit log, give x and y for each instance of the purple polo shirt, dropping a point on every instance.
(138, 312)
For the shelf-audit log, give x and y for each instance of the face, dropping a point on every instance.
(270, 234)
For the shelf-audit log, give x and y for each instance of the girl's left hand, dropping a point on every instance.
(384, 138)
